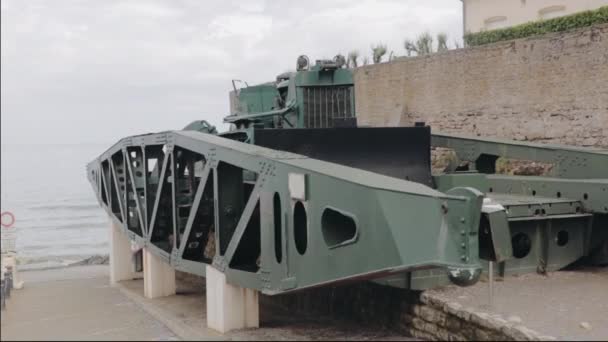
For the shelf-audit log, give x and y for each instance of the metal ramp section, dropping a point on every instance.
(568, 161)
(549, 222)
(553, 221)
(547, 234)
(277, 221)
(400, 152)
(579, 174)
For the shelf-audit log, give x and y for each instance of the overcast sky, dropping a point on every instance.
(97, 70)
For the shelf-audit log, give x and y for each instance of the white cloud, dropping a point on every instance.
(142, 8)
(252, 5)
(145, 65)
(247, 26)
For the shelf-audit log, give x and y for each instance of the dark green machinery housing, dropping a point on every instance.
(295, 195)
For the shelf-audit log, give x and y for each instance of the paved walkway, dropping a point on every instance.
(76, 304)
(185, 314)
(568, 305)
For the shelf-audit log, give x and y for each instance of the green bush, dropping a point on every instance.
(560, 24)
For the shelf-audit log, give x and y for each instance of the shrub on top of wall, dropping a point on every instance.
(582, 19)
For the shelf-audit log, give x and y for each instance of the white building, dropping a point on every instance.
(481, 15)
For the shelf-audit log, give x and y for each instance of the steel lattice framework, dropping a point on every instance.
(295, 195)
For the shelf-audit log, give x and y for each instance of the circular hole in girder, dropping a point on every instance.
(559, 194)
(521, 245)
(585, 197)
(561, 238)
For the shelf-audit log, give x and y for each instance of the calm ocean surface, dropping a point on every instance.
(57, 215)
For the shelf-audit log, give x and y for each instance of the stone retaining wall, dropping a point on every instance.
(551, 88)
(423, 315)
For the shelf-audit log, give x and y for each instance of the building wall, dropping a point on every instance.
(492, 14)
(552, 88)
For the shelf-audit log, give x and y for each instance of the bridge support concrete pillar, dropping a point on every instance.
(159, 276)
(229, 307)
(121, 256)
(10, 260)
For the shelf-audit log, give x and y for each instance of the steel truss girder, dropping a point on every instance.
(568, 161)
(592, 193)
(561, 219)
(131, 164)
(399, 225)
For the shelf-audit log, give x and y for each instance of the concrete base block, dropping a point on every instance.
(10, 260)
(159, 276)
(230, 307)
(121, 256)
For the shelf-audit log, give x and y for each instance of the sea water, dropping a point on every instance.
(57, 216)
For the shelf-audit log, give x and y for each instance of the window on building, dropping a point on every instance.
(552, 12)
(494, 23)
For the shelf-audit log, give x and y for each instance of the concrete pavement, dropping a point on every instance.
(76, 304)
(568, 305)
